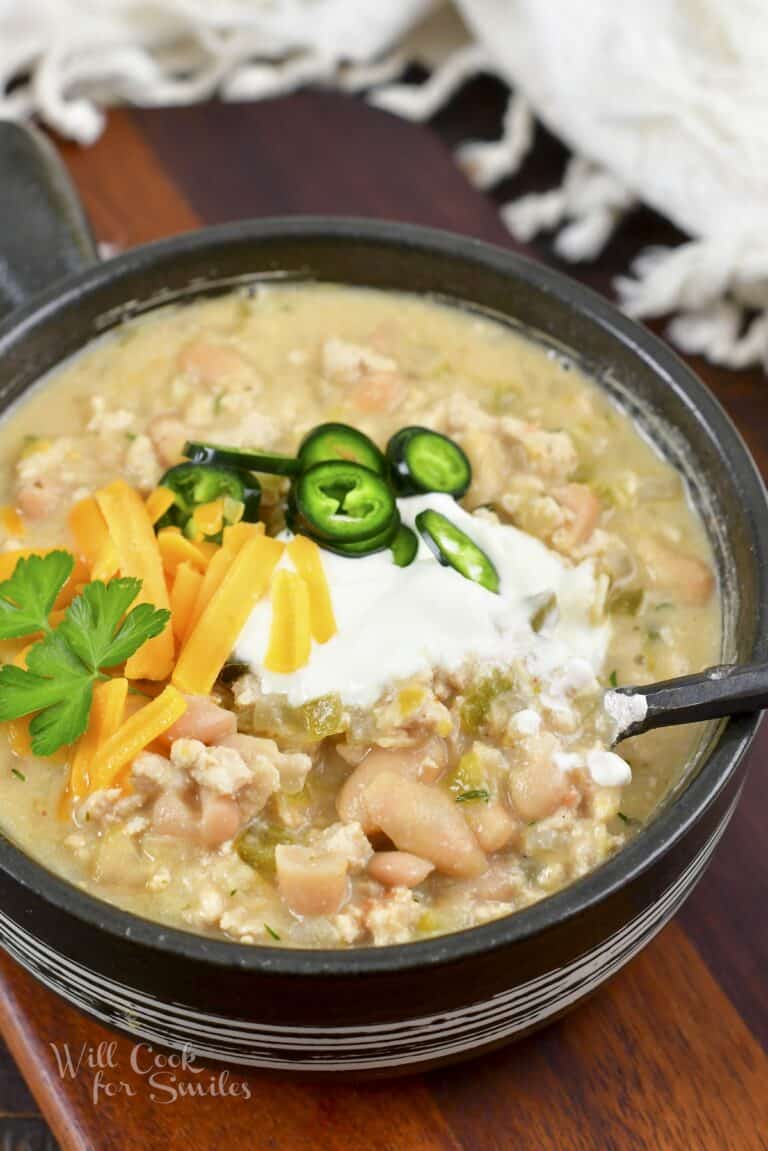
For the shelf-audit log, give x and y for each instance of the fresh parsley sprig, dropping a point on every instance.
(27, 598)
(97, 633)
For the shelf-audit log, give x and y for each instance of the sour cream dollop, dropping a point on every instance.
(394, 623)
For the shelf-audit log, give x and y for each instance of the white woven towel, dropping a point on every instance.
(664, 103)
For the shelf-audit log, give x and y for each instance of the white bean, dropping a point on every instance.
(424, 761)
(220, 818)
(399, 868)
(311, 883)
(168, 435)
(492, 824)
(203, 720)
(425, 821)
(536, 785)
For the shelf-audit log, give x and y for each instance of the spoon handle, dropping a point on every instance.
(710, 694)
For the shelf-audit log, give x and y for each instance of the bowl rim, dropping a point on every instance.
(655, 840)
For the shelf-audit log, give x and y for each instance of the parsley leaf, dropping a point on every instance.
(63, 722)
(56, 687)
(92, 625)
(27, 598)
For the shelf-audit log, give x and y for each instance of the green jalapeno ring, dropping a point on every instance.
(405, 546)
(452, 547)
(335, 441)
(421, 460)
(194, 485)
(218, 455)
(369, 546)
(344, 502)
(353, 550)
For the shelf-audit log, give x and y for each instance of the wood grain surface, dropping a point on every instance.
(671, 1055)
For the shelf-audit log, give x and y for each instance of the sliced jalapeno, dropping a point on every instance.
(194, 485)
(340, 442)
(343, 503)
(274, 463)
(405, 545)
(453, 548)
(366, 547)
(421, 460)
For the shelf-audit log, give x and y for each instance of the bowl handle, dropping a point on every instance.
(44, 232)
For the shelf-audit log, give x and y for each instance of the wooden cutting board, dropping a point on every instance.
(670, 1055)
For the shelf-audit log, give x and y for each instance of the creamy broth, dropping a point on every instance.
(552, 457)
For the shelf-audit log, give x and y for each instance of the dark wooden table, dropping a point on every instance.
(671, 1055)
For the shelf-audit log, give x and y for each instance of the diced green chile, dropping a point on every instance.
(453, 548)
(273, 463)
(625, 601)
(405, 545)
(196, 484)
(544, 611)
(343, 503)
(421, 460)
(343, 443)
(474, 793)
(322, 716)
(256, 845)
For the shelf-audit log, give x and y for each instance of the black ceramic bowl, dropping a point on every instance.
(387, 1009)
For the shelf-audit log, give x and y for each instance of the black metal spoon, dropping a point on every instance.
(710, 694)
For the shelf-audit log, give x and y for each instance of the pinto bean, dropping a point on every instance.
(168, 435)
(220, 818)
(399, 868)
(425, 821)
(492, 825)
(423, 761)
(311, 883)
(203, 720)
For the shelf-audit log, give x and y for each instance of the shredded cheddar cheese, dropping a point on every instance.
(12, 522)
(208, 519)
(106, 717)
(176, 549)
(184, 594)
(133, 735)
(159, 502)
(134, 538)
(215, 633)
(92, 539)
(306, 558)
(8, 560)
(290, 635)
